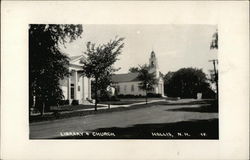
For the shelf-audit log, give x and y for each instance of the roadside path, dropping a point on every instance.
(102, 108)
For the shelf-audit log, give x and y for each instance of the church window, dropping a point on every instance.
(125, 88)
(118, 89)
(132, 88)
(152, 63)
(139, 89)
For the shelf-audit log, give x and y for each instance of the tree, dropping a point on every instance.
(47, 65)
(214, 45)
(166, 79)
(148, 80)
(186, 83)
(99, 63)
(134, 69)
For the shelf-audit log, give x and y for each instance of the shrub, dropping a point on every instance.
(64, 102)
(130, 96)
(139, 96)
(106, 98)
(56, 114)
(154, 95)
(120, 96)
(75, 102)
(208, 93)
(114, 98)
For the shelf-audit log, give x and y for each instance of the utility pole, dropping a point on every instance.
(215, 76)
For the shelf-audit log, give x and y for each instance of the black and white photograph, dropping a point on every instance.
(123, 81)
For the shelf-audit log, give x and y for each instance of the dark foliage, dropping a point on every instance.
(149, 95)
(148, 80)
(47, 65)
(130, 96)
(154, 95)
(166, 79)
(64, 102)
(134, 69)
(186, 83)
(99, 64)
(75, 102)
(109, 98)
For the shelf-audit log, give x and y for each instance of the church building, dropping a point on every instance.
(78, 87)
(128, 84)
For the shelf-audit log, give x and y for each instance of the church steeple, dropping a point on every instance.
(153, 63)
(153, 60)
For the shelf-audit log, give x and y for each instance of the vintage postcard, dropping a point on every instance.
(124, 80)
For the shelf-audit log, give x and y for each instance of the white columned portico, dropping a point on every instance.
(162, 89)
(69, 85)
(89, 88)
(75, 84)
(78, 86)
(83, 94)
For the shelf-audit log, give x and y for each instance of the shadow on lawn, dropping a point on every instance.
(206, 106)
(204, 101)
(201, 109)
(193, 129)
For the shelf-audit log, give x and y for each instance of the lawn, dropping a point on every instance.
(74, 107)
(61, 115)
(127, 101)
(121, 102)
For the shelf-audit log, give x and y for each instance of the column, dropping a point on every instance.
(89, 88)
(69, 86)
(83, 89)
(75, 85)
(163, 89)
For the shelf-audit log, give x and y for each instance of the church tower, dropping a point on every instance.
(153, 64)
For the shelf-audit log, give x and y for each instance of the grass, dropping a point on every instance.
(127, 101)
(201, 109)
(74, 107)
(120, 102)
(57, 115)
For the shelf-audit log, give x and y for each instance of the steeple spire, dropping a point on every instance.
(153, 63)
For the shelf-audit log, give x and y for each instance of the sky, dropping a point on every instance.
(175, 46)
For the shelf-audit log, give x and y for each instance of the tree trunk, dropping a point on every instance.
(146, 97)
(42, 112)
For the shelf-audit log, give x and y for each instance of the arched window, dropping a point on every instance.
(152, 63)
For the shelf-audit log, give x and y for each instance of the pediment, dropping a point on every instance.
(78, 61)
